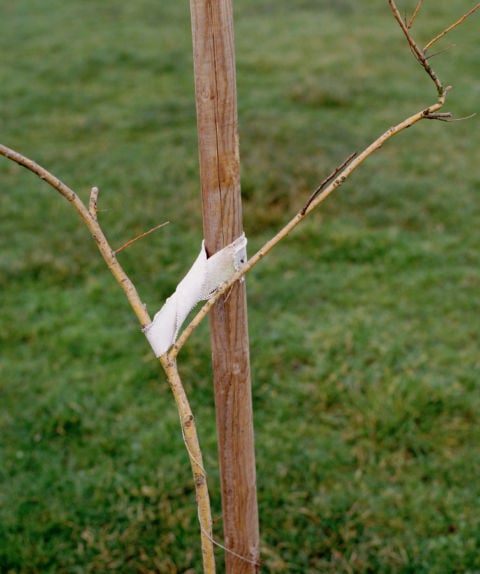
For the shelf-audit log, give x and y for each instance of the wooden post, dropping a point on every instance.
(215, 88)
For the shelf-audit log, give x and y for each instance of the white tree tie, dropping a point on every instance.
(201, 282)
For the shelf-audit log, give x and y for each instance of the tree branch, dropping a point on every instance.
(415, 14)
(89, 217)
(418, 52)
(427, 113)
(326, 181)
(450, 28)
(93, 201)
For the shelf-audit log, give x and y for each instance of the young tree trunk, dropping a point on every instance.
(215, 87)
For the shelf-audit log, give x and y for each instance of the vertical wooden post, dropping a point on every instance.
(215, 88)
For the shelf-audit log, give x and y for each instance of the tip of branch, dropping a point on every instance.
(451, 27)
(463, 118)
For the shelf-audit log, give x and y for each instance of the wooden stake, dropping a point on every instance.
(215, 88)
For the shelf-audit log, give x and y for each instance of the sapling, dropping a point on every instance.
(215, 282)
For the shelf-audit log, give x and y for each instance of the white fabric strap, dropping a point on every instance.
(205, 276)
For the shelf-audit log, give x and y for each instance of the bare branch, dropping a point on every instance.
(169, 366)
(141, 236)
(418, 52)
(430, 56)
(414, 15)
(327, 180)
(44, 175)
(450, 28)
(351, 164)
(190, 437)
(93, 226)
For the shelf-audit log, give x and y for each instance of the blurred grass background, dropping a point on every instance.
(364, 325)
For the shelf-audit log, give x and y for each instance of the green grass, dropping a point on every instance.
(364, 324)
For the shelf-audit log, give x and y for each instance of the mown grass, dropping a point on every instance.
(364, 324)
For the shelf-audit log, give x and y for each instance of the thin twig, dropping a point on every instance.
(415, 14)
(448, 119)
(327, 180)
(435, 54)
(450, 28)
(441, 116)
(418, 53)
(141, 236)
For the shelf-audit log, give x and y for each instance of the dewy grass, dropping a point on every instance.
(364, 324)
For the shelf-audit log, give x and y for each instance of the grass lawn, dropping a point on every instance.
(364, 324)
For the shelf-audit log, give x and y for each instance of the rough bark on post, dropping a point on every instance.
(215, 87)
